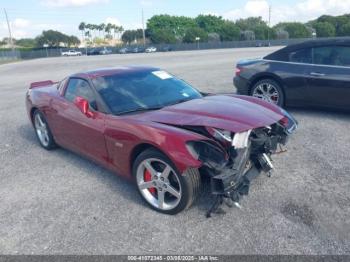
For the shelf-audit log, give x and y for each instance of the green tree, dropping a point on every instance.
(54, 38)
(101, 28)
(250, 23)
(337, 21)
(260, 32)
(194, 32)
(162, 36)
(229, 31)
(256, 24)
(176, 24)
(324, 29)
(247, 35)
(108, 30)
(26, 42)
(72, 41)
(132, 35)
(281, 34)
(214, 37)
(344, 30)
(210, 23)
(81, 28)
(294, 29)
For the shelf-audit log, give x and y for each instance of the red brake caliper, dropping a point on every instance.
(148, 177)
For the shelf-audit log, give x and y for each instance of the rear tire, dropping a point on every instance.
(268, 90)
(42, 131)
(161, 186)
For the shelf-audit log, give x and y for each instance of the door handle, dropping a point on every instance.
(317, 74)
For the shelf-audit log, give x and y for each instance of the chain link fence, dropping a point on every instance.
(54, 52)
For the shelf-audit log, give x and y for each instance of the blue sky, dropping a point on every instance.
(28, 18)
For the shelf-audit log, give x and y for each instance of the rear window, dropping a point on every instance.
(301, 56)
(280, 55)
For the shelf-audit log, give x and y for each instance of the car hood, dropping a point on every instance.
(219, 111)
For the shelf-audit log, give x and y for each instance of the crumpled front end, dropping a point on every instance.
(232, 160)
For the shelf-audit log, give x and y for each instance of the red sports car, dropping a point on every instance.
(145, 124)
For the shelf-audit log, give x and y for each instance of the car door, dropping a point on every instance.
(74, 129)
(293, 74)
(329, 78)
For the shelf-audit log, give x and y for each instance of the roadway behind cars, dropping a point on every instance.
(58, 202)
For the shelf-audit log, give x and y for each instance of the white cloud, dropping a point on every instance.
(18, 27)
(20, 23)
(71, 3)
(132, 26)
(300, 11)
(113, 21)
(146, 2)
(22, 28)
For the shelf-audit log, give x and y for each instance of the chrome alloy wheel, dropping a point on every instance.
(267, 92)
(41, 130)
(158, 184)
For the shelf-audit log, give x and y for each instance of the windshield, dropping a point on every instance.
(143, 90)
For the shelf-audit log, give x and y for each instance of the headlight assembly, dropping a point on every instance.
(288, 121)
(241, 140)
(206, 152)
(219, 134)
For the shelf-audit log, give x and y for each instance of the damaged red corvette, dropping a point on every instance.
(145, 124)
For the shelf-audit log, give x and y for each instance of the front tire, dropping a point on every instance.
(42, 131)
(161, 186)
(268, 90)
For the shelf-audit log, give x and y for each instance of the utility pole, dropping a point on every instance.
(268, 31)
(143, 29)
(9, 28)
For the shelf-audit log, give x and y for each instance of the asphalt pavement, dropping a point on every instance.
(60, 203)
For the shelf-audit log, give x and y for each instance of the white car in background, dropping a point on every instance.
(71, 53)
(151, 49)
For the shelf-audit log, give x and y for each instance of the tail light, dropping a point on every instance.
(238, 71)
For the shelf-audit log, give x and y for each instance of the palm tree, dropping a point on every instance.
(82, 29)
(94, 29)
(113, 26)
(87, 34)
(118, 30)
(89, 28)
(101, 27)
(108, 28)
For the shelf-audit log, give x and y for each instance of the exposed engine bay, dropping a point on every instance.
(233, 160)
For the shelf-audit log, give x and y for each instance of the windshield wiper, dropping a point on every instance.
(140, 109)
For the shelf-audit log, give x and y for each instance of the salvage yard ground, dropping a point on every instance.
(60, 203)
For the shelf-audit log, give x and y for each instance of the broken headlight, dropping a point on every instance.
(288, 121)
(241, 140)
(206, 152)
(220, 134)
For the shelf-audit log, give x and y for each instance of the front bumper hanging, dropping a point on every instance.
(232, 181)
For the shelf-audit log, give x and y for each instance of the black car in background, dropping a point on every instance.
(312, 73)
(93, 51)
(99, 51)
(166, 48)
(138, 49)
(124, 50)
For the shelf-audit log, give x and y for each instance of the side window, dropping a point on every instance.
(301, 56)
(332, 55)
(79, 87)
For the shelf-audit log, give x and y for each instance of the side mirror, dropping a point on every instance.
(83, 106)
